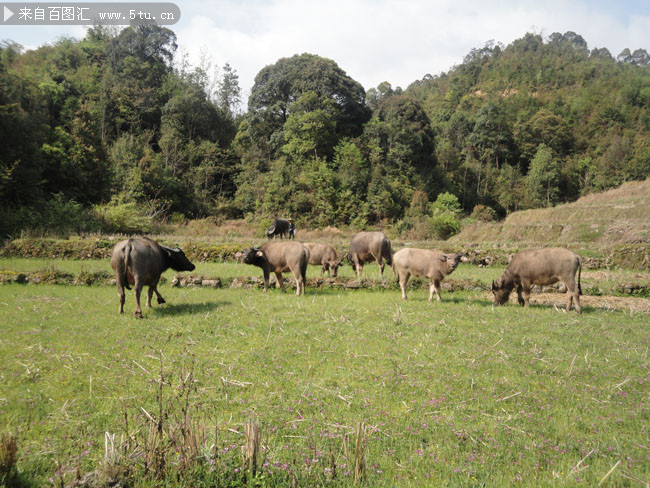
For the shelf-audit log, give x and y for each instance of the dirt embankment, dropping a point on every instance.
(614, 217)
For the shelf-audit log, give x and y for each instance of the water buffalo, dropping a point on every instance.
(140, 261)
(279, 257)
(280, 227)
(540, 267)
(431, 264)
(367, 246)
(325, 256)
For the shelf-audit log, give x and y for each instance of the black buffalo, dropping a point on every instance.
(280, 227)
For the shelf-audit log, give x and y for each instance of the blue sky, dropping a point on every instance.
(398, 41)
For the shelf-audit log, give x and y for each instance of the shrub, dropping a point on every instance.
(483, 213)
(57, 216)
(444, 225)
(446, 202)
(123, 218)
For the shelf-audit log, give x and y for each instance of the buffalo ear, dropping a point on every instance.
(443, 259)
(259, 253)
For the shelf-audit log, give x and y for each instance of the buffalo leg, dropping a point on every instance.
(520, 298)
(120, 293)
(159, 297)
(380, 263)
(280, 280)
(526, 297)
(137, 290)
(300, 285)
(149, 295)
(576, 297)
(569, 300)
(403, 281)
(435, 286)
(572, 294)
(358, 266)
(266, 280)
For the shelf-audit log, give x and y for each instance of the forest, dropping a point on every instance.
(114, 131)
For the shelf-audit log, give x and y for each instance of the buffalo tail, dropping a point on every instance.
(579, 272)
(127, 263)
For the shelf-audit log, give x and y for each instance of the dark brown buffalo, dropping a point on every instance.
(369, 246)
(426, 263)
(540, 267)
(140, 262)
(280, 227)
(279, 257)
(323, 255)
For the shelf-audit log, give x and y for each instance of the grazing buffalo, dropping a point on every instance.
(540, 267)
(426, 263)
(280, 227)
(325, 256)
(140, 262)
(279, 257)
(368, 246)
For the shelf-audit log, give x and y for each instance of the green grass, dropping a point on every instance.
(454, 393)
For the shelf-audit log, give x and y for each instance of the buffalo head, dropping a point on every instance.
(501, 291)
(177, 260)
(252, 255)
(334, 266)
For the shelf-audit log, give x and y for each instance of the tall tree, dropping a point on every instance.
(544, 177)
(228, 90)
(278, 86)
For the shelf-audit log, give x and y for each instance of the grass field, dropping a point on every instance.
(445, 394)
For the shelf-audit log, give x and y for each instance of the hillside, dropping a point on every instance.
(618, 216)
(111, 129)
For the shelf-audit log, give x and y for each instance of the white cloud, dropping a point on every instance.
(388, 40)
(381, 40)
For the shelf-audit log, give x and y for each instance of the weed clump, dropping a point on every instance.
(8, 456)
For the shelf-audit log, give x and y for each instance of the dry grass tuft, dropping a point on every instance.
(8, 453)
(251, 450)
(358, 457)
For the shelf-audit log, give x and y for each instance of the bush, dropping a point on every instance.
(64, 216)
(446, 203)
(122, 218)
(444, 225)
(483, 213)
(56, 216)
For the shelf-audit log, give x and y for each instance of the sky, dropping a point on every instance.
(398, 41)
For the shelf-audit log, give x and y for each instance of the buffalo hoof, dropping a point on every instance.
(138, 314)
(161, 300)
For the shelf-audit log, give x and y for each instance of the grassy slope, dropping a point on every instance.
(615, 216)
(456, 394)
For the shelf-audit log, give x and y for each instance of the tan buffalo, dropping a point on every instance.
(279, 257)
(426, 263)
(540, 267)
(370, 246)
(323, 255)
(140, 262)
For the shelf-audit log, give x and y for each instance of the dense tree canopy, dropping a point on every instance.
(113, 121)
